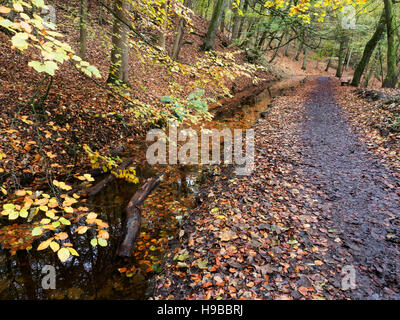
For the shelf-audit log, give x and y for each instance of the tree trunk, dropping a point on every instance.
(179, 34)
(329, 63)
(348, 59)
(222, 25)
(178, 40)
(242, 19)
(276, 49)
(371, 71)
(249, 33)
(119, 70)
(381, 64)
(162, 38)
(287, 50)
(236, 21)
(214, 24)
(391, 75)
(340, 58)
(262, 39)
(83, 29)
(304, 66)
(299, 50)
(368, 50)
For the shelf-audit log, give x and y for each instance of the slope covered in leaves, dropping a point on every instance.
(38, 138)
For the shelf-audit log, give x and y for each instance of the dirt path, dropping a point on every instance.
(358, 197)
(317, 204)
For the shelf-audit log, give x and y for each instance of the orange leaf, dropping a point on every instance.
(303, 290)
(103, 234)
(318, 262)
(61, 236)
(43, 245)
(4, 10)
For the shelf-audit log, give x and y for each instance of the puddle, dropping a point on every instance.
(97, 273)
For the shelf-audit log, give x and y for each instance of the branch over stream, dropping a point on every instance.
(134, 217)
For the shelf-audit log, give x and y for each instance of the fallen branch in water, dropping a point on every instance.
(100, 185)
(134, 217)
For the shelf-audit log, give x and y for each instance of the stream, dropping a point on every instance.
(97, 273)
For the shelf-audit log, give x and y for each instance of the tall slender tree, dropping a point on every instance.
(391, 75)
(119, 70)
(214, 24)
(180, 33)
(368, 50)
(83, 29)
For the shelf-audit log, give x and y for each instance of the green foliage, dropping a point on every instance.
(183, 108)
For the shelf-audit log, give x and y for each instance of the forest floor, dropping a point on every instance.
(321, 206)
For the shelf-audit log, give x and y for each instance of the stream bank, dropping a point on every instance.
(96, 273)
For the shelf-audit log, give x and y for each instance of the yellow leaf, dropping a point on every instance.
(88, 177)
(61, 236)
(23, 213)
(45, 221)
(41, 202)
(81, 229)
(52, 203)
(54, 246)
(63, 254)
(43, 245)
(27, 202)
(102, 224)
(73, 252)
(13, 215)
(91, 215)
(44, 208)
(69, 201)
(50, 214)
(102, 242)
(69, 210)
(18, 7)
(62, 185)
